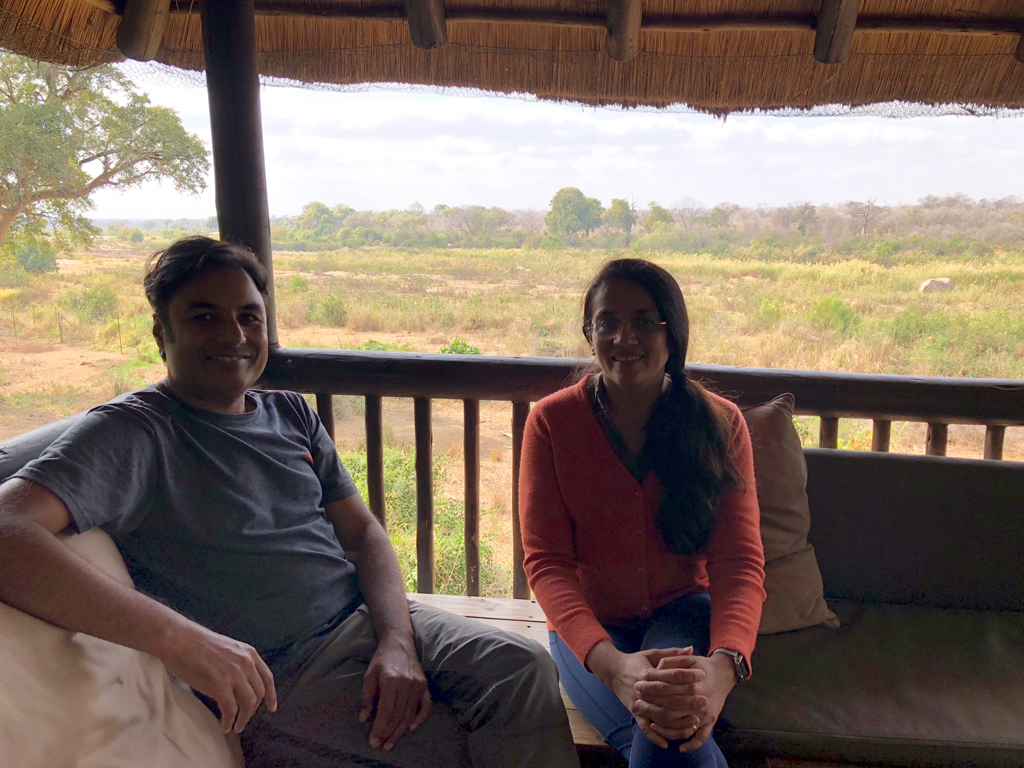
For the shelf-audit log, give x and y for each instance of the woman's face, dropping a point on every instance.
(636, 355)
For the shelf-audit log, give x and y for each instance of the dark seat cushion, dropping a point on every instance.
(897, 684)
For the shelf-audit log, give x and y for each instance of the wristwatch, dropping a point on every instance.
(739, 664)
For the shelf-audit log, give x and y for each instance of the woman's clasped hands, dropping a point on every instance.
(673, 694)
(682, 696)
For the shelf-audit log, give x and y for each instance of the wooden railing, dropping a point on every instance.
(994, 403)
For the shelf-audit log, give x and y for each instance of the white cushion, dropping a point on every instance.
(68, 699)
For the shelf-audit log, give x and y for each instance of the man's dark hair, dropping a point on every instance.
(185, 259)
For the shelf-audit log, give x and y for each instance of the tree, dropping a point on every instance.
(572, 212)
(64, 133)
(688, 210)
(621, 215)
(315, 214)
(657, 217)
(866, 212)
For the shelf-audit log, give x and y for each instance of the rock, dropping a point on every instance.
(936, 284)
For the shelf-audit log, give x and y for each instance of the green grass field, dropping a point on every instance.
(751, 308)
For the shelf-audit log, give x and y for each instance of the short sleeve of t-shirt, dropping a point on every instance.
(102, 468)
(334, 479)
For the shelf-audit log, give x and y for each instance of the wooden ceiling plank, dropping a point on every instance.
(426, 23)
(141, 29)
(623, 40)
(833, 39)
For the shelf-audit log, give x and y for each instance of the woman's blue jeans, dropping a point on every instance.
(685, 621)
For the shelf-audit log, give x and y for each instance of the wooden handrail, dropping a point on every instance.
(995, 403)
(992, 402)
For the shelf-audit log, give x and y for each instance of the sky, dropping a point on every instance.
(380, 149)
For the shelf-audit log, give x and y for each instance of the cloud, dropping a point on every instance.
(386, 149)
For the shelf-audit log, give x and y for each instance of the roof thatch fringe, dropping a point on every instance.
(719, 71)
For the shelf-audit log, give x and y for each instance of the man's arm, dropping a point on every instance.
(394, 679)
(43, 577)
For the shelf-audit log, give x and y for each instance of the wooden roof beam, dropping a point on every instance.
(1020, 50)
(623, 40)
(426, 23)
(141, 29)
(837, 20)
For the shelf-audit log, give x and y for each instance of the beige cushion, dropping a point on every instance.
(71, 700)
(792, 580)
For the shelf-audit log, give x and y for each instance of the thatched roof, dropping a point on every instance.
(713, 55)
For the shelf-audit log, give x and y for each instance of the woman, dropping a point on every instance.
(641, 529)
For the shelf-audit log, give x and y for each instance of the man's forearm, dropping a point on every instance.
(44, 577)
(381, 583)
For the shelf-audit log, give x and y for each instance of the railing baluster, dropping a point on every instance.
(935, 444)
(374, 417)
(325, 410)
(520, 587)
(994, 435)
(471, 452)
(828, 433)
(880, 433)
(424, 496)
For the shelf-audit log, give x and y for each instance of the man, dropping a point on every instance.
(273, 583)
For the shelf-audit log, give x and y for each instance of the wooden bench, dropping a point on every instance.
(526, 618)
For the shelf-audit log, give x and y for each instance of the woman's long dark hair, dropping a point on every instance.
(687, 436)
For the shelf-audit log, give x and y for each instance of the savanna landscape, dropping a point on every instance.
(79, 331)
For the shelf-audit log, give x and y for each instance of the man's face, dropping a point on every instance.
(216, 342)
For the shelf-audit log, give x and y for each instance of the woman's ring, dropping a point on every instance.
(695, 729)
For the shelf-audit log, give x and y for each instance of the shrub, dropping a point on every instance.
(832, 312)
(297, 284)
(449, 525)
(770, 312)
(459, 347)
(372, 345)
(93, 304)
(135, 236)
(330, 311)
(36, 257)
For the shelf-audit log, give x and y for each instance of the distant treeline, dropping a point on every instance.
(954, 226)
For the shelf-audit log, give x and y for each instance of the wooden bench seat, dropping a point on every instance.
(526, 618)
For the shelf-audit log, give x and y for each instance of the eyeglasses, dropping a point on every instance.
(608, 328)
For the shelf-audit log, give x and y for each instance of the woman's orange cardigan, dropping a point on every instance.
(594, 554)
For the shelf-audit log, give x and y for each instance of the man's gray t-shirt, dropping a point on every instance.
(219, 516)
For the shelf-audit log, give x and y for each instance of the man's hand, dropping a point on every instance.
(395, 683)
(674, 705)
(227, 671)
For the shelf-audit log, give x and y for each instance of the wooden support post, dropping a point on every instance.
(240, 179)
(880, 433)
(325, 410)
(520, 587)
(624, 20)
(424, 496)
(837, 20)
(935, 444)
(828, 432)
(374, 418)
(994, 442)
(141, 29)
(471, 452)
(426, 23)
(1020, 50)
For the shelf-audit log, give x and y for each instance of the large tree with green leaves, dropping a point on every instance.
(65, 133)
(621, 214)
(572, 212)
